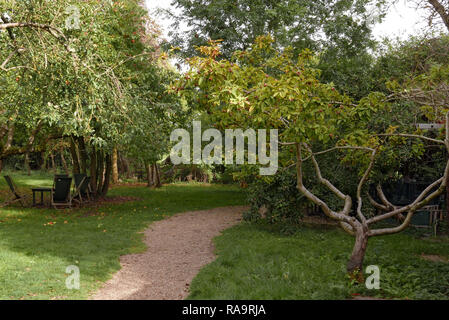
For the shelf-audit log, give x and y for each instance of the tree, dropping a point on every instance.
(267, 88)
(416, 70)
(300, 24)
(147, 140)
(437, 8)
(21, 54)
(339, 30)
(78, 84)
(427, 88)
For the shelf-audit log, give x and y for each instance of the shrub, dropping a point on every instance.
(276, 198)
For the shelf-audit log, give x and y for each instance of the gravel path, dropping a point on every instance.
(178, 248)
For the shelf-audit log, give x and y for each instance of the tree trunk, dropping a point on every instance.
(27, 163)
(44, 163)
(441, 10)
(93, 171)
(125, 165)
(153, 175)
(41, 161)
(75, 161)
(107, 176)
(83, 155)
(64, 163)
(150, 181)
(53, 165)
(157, 178)
(114, 166)
(128, 171)
(355, 263)
(1, 165)
(100, 171)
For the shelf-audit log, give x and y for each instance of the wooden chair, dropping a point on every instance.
(433, 213)
(85, 189)
(81, 188)
(59, 176)
(13, 189)
(60, 194)
(436, 216)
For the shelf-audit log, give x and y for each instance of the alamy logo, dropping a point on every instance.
(212, 153)
(73, 279)
(373, 281)
(73, 20)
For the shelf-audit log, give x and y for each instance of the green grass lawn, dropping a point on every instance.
(258, 261)
(34, 254)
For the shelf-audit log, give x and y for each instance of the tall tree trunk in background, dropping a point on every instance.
(1, 165)
(153, 175)
(107, 175)
(150, 176)
(156, 176)
(53, 165)
(114, 166)
(41, 161)
(27, 163)
(83, 155)
(93, 171)
(159, 178)
(124, 165)
(121, 164)
(64, 163)
(44, 162)
(100, 171)
(74, 153)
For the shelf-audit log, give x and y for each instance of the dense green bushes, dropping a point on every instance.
(276, 199)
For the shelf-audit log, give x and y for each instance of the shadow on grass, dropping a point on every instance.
(36, 245)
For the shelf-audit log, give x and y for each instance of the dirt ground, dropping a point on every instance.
(434, 258)
(178, 248)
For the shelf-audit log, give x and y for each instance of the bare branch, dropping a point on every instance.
(383, 198)
(3, 65)
(339, 148)
(415, 205)
(348, 223)
(290, 166)
(410, 213)
(287, 143)
(9, 137)
(124, 61)
(441, 10)
(409, 136)
(324, 181)
(376, 204)
(9, 150)
(360, 186)
(54, 31)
